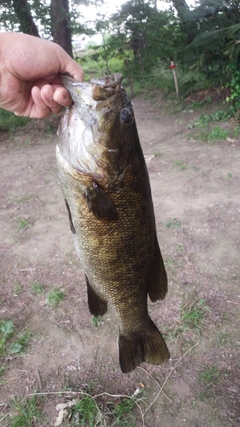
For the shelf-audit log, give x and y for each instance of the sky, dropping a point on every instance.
(110, 6)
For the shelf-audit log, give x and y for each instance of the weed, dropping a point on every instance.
(96, 321)
(28, 141)
(217, 134)
(180, 249)
(192, 315)
(84, 412)
(174, 223)
(180, 165)
(6, 333)
(210, 375)
(17, 289)
(236, 131)
(122, 410)
(6, 330)
(157, 154)
(218, 116)
(25, 198)
(22, 224)
(229, 176)
(27, 413)
(38, 288)
(55, 297)
(2, 370)
(20, 344)
(223, 337)
(170, 264)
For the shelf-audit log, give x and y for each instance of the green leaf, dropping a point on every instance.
(7, 327)
(15, 348)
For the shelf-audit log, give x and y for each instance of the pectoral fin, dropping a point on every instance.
(97, 306)
(158, 284)
(99, 203)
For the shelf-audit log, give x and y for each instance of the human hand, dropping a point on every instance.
(30, 84)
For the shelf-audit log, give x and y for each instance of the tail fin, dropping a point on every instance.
(145, 346)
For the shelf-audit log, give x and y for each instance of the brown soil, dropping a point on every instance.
(195, 187)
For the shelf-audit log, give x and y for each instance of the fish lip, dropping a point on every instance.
(105, 82)
(96, 89)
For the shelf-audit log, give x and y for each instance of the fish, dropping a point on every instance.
(107, 192)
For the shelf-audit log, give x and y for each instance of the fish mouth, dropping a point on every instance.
(85, 131)
(97, 89)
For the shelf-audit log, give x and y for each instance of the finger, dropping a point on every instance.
(74, 70)
(47, 92)
(62, 96)
(38, 109)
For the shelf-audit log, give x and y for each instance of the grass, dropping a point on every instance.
(55, 297)
(11, 122)
(88, 412)
(192, 315)
(170, 264)
(22, 224)
(25, 198)
(122, 411)
(27, 413)
(37, 288)
(96, 321)
(180, 165)
(173, 223)
(84, 412)
(210, 375)
(17, 289)
(217, 134)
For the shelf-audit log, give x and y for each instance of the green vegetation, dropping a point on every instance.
(84, 412)
(170, 264)
(7, 344)
(55, 297)
(174, 223)
(38, 288)
(192, 315)
(210, 375)
(96, 321)
(122, 412)
(217, 134)
(180, 165)
(22, 224)
(27, 413)
(10, 122)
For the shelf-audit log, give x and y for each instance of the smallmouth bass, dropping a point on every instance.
(106, 187)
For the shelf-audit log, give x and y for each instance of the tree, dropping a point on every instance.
(147, 32)
(56, 19)
(23, 13)
(61, 24)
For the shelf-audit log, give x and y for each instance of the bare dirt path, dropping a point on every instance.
(195, 188)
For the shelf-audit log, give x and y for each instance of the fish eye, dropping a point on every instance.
(125, 115)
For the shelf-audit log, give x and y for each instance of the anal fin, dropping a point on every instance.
(158, 285)
(97, 306)
(143, 346)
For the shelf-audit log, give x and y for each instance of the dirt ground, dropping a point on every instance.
(195, 188)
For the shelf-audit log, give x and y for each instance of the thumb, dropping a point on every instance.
(71, 67)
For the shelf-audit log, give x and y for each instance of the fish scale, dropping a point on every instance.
(112, 215)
